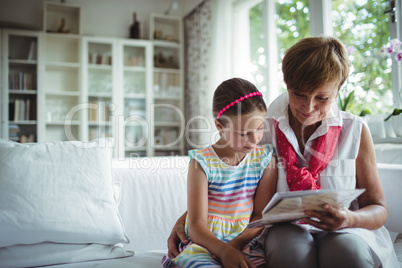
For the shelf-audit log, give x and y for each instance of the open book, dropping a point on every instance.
(289, 206)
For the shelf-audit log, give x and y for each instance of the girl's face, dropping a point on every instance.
(311, 108)
(242, 133)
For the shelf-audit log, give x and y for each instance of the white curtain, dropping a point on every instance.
(207, 32)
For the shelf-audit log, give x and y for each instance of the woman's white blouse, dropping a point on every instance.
(340, 172)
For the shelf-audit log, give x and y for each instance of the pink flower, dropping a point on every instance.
(398, 56)
(350, 49)
(394, 46)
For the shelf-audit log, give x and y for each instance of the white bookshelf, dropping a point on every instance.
(168, 85)
(20, 84)
(87, 87)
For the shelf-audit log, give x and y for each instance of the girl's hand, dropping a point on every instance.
(231, 257)
(332, 220)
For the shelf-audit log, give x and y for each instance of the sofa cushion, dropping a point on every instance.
(60, 192)
(45, 253)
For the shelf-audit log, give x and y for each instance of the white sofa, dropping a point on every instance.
(151, 193)
(154, 196)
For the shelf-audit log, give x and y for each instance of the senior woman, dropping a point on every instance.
(320, 147)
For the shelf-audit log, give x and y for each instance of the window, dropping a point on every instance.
(290, 23)
(364, 28)
(271, 27)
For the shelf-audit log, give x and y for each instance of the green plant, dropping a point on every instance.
(346, 103)
(396, 111)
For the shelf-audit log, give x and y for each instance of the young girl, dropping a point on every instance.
(223, 196)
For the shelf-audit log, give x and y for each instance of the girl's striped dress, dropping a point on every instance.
(230, 204)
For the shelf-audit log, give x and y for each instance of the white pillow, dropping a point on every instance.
(59, 192)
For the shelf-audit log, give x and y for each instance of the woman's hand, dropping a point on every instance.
(176, 236)
(231, 257)
(333, 219)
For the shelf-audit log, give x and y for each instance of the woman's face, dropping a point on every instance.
(311, 108)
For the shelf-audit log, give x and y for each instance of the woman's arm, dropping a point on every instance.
(373, 211)
(197, 210)
(265, 190)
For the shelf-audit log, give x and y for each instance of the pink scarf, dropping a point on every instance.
(323, 149)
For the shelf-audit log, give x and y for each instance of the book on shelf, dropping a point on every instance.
(21, 110)
(290, 206)
(21, 81)
(32, 51)
(13, 132)
(98, 111)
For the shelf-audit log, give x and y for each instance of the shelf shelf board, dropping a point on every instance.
(24, 62)
(63, 35)
(137, 149)
(23, 122)
(99, 123)
(61, 64)
(134, 68)
(104, 67)
(99, 95)
(165, 43)
(23, 91)
(62, 123)
(63, 93)
(167, 70)
(166, 98)
(134, 96)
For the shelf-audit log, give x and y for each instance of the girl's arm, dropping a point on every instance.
(265, 190)
(197, 213)
(373, 210)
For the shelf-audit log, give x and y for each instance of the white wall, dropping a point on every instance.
(99, 17)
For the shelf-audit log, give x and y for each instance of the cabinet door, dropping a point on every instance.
(167, 109)
(62, 90)
(99, 86)
(167, 112)
(135, 79)
(20, 85)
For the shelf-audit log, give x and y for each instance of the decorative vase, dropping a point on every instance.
(135, 28)
(389, 129)
(376, 125)
(397, 124)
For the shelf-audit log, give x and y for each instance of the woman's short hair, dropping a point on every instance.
(315, 61)
(232, 89)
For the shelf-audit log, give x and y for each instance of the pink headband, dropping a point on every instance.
(252, 94)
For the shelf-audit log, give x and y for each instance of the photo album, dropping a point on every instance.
(289, 206)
